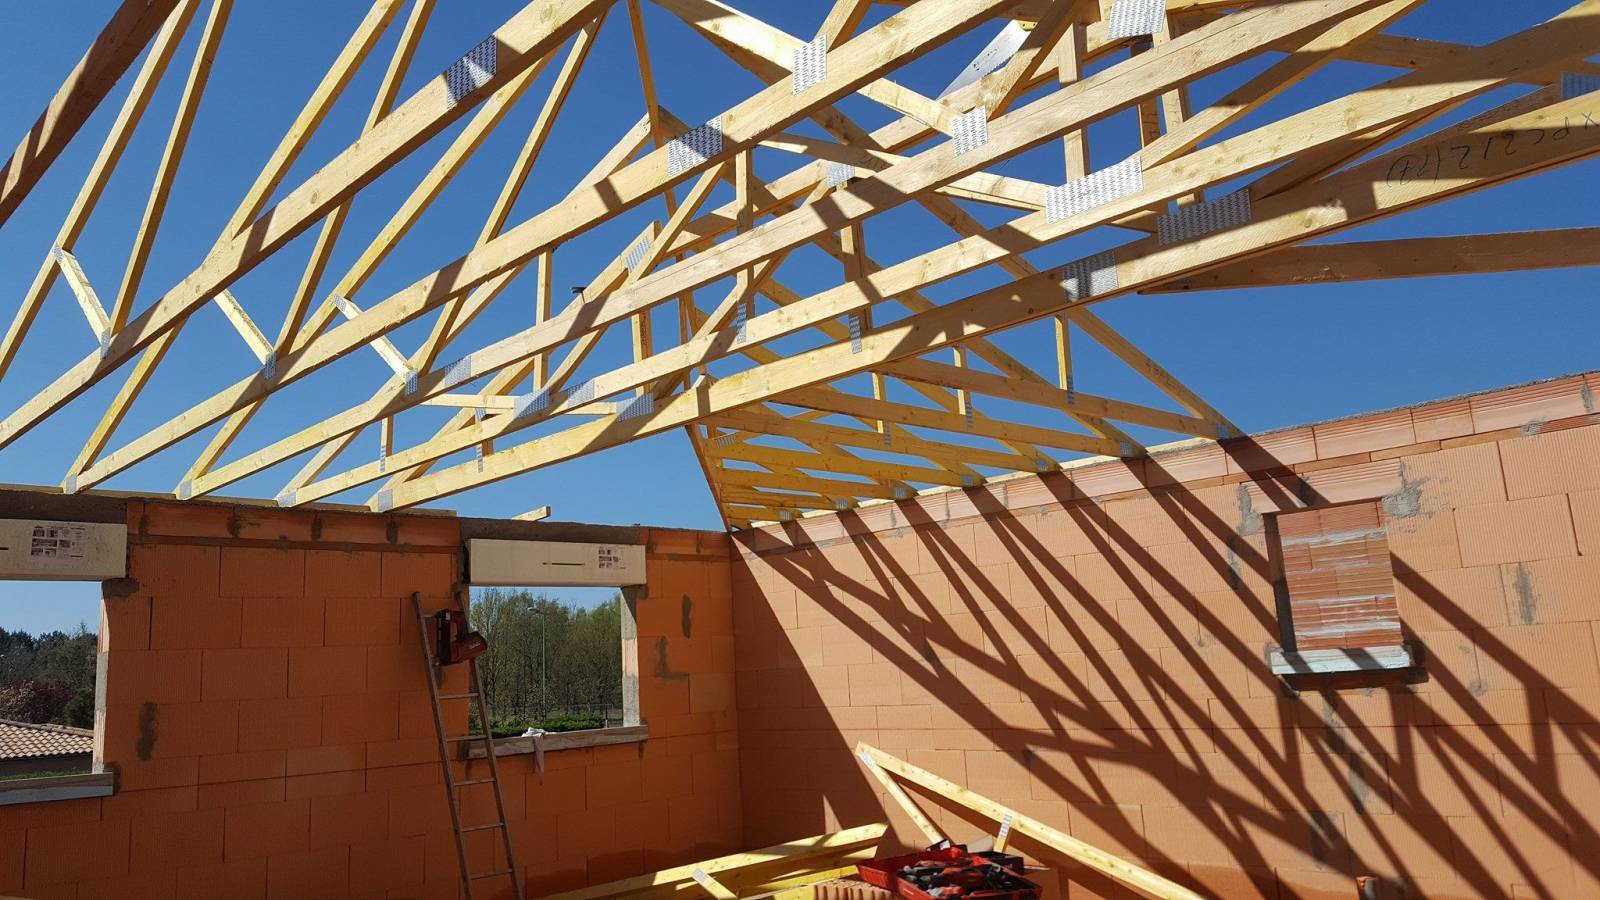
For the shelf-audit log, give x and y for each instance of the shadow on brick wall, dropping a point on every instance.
(1101, 665)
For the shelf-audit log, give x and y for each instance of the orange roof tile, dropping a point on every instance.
(22, 740)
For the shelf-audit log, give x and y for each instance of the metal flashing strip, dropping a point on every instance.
(472, 71)
(694, 147)
(970, 130)
(1576, 84)
(1132, 18)
(1208, 217)
(1091, 276)
(998, 51)
(1095, 189)
(810, 64)
(840, 173)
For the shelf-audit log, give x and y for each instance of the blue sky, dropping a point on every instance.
(1265, 357)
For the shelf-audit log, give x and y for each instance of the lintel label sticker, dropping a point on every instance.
(58, 541)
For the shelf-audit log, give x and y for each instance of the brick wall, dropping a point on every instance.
(267, 714)
(1090, 648)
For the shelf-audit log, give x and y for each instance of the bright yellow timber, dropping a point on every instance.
(1295, 216)
(1113, 866)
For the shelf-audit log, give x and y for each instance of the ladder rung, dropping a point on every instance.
(461, 784)
(458, 738)
(465, 696)
(494, 874)
(488, 827)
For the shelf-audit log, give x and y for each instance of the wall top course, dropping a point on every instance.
(1260, 461)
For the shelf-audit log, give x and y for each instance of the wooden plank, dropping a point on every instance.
(194, 87)
(119, 43)
(242, 323)
(1466, 254)
(1295, 216)
(1192, 43)
(796, 851)
(332, 226)
(859, 60)
(105, 162)
(526, 38)
(1078, 851)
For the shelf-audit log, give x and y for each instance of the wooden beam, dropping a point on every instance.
(119, 43)
(984, 249)
(171, 156)
(859, 61)
(332, 226)
(1068, 846)
(526, 38)
(1466, 254)
(105, 162)
(787, 854)
(1287, 218)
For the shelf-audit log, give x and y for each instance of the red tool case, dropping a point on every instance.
(884, 873)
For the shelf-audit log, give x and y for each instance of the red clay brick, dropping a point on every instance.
(259, 572)
(388, 865)
(1443, 420)
(1555, 463)
(190, 621)
(312, 760)
(1586, 521)
(245, 880)
(1364, 434)
(171, 840)
(280, 723)
(124, 623)
(358, 718)
(363, 622)
(150, 676)
(343, 573)
(60, 853)
(244, 674)
(166, 570)
(327, 671)
(192, 729)
(1529, 404)
(266, 829)
(230, 767)
(282, 621)
(318, 873)
(432, 574)
(1518, 531)
(142, 886)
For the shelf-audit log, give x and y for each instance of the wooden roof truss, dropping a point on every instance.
(794, 400)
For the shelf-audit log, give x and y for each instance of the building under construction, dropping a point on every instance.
(995, 593)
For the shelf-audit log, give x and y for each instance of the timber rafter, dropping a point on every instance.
(812, 362)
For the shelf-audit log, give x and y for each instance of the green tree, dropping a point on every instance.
(546, 655)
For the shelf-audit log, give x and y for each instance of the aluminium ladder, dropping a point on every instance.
(474, 697)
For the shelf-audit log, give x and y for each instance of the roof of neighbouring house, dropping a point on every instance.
(22, 740)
